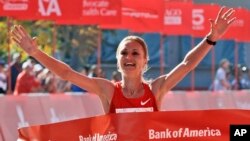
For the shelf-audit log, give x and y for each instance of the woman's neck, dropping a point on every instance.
(132, 87)
(131, 82)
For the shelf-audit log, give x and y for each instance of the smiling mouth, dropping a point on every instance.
(129, 65)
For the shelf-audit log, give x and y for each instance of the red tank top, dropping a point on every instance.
(121, 104)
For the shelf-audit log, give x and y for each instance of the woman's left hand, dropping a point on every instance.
(220, 25)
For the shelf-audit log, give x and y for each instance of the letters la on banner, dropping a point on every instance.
(204, 125)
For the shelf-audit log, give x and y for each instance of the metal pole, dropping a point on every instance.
(99, 48)
(54, 40)
(9, 22)
(213, 67)
(162, 64)
(236, 61)
(193, 71)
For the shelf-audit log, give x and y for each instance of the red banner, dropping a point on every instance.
(18, 8)
(238, 28)
(121, 25)
(96, 12)
(105, 11)
(59, 9)
(41, 9)
(247, 29)
(200, 21)
(204, 125)
(140, 16)
(83, 11)
(177, 18)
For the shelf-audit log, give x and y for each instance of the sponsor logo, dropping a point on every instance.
(52, 7)
(99, 137)
(173, 17)
(10, 5)
(183, 133)
(145, 102)
(98, 8)
(139, 14)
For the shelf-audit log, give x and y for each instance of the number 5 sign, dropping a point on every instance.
(200, 16)
(198, 19)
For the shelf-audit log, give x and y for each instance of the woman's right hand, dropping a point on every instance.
(22, 38)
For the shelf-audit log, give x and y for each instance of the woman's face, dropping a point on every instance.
(131, 57)
(226, 65)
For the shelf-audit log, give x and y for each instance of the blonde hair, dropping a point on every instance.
(223, 61)
(138, 40)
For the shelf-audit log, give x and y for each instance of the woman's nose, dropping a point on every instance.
(129, 56)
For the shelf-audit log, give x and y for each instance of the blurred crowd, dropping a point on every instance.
(30, 76)
(230, 77)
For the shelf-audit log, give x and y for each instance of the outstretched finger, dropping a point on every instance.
(220, 13)
(228, 13)
(15, 40)
(15, 34)
(231, 20)
(22, 30)
(16, 29)
(229, 16)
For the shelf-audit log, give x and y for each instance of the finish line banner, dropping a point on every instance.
(202, 125)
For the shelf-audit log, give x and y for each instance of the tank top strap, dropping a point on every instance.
(147, 89)
(118, 87)
(117, 91)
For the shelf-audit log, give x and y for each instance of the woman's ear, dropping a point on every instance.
(145, 62)
(145, 68)
(118, 68)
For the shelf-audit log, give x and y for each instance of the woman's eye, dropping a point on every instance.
(124, 53)
(135, 53)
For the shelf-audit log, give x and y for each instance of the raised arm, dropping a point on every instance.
(218, 27)
(94, 85)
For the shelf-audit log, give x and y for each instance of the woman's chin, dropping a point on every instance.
(129, 69)
(130, 72)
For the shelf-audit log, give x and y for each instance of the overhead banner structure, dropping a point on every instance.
(169, 17)
(177, 18)
(203, 125)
